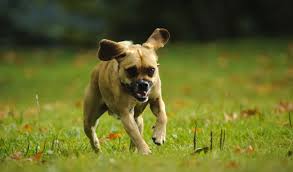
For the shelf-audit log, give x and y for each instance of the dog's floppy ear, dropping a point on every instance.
(158, 39)
(109, 50)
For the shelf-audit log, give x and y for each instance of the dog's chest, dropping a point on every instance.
(137, 110)
(115, 115)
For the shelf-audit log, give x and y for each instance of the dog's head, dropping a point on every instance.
(138, 67)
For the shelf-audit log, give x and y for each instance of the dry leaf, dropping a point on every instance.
(198, 130)
(264, 88)
(223, 60)
(2, 114)
(231, 117)
(27, 128)
(43, 129)
(180, 103)
(112, 136)
(284, 106)
(31, 111)
(29, 72)
(187, 90)
(16, 156)
(249, 112)
(232, 164)
(238, 150)
(249, 149)
(78, 104)
(38, 156)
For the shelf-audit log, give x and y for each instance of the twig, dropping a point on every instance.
(199, 150)
(38, 105)
(195, 138)
(28, 147)
(211, 146)
(39, 109)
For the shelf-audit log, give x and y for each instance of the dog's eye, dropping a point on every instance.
(132, 71)
(150, 71)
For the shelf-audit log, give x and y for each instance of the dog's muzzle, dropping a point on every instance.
(139, 89)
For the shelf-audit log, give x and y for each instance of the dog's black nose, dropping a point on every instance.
(143, 85)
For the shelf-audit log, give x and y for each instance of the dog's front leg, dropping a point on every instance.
(133, 131)
(158, 108)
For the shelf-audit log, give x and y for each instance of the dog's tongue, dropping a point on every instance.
(141, 93)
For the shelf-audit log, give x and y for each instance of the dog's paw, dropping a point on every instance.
(145, 151)
(159, 135)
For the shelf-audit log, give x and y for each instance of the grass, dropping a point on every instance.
(241, 87)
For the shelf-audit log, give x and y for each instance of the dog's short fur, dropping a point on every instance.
(124, 83)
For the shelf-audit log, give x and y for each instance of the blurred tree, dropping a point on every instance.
(83, 22)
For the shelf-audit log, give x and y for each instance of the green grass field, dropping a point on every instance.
(244, 88)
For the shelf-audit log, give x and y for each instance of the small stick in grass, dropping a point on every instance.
(195, 137)
(211, 146)
(221, 139)
(38, 103)
(27, 148)
(290, 122)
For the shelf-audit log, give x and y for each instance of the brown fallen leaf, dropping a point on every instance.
(284, 106)
(232, 164)
(230, 117)
(264, 89)
(113, 136)
(250, 149)
(78, 104)
(32, 111)
(223, 60)
(198, 130)
(27, 128)
(186, 90)
(38, 156)
(180, 103)
(43, 129)
(2, 114)
(249, 112)
(16, 156)
(29, 72)
(238, 150)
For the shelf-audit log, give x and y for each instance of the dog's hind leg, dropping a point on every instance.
(93, 109)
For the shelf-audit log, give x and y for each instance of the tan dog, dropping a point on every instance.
(124, 83)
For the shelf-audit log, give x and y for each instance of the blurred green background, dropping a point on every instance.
(74, 22)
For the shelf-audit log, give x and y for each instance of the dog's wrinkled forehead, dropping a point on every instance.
(139, 55)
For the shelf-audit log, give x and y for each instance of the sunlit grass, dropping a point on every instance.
(202, 83)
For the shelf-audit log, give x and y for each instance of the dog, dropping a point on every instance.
(124, 83)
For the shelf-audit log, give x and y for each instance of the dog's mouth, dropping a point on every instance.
(141, 96)
(138, 94)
